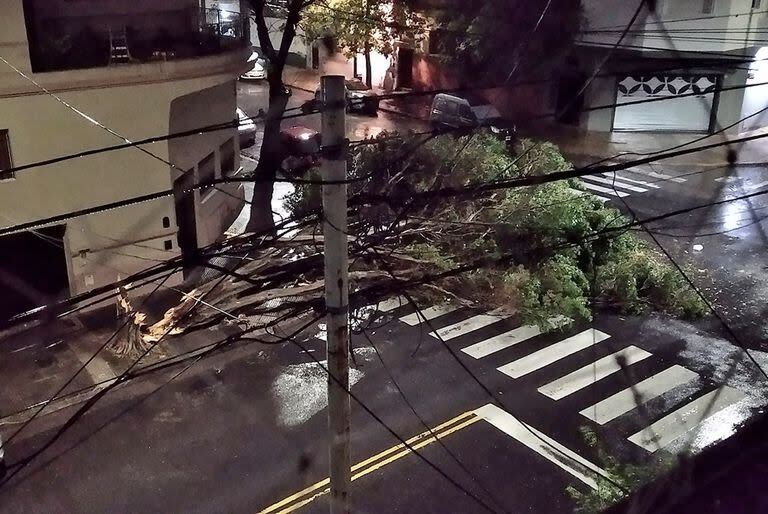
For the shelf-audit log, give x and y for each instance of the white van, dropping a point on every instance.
(456, 111)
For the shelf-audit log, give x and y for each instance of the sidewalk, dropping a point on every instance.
(305, 79)
(584, 147)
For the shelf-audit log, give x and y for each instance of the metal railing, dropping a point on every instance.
(188, 34)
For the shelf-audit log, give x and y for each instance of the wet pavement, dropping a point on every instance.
(244, 430)
(723, 247)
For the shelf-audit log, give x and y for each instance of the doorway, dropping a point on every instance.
(405, 68)
(186, 217)
(33, 270)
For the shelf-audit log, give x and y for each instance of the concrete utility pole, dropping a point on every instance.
(334, 168)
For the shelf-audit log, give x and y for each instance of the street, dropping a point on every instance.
(495, 409)
(253, 96)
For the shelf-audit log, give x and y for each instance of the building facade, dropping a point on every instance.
(697, 60)
(85, 75)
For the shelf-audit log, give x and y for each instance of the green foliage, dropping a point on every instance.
(495, 36)
(432, 254)
(355, 23)
(305, 197)
(623, 477)
(640, 280)
(545, 231)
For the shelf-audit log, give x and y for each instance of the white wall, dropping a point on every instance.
(134, 101)
(276, 27)
(756, 96)
(678, 25)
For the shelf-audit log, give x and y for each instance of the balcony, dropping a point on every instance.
(100, 40)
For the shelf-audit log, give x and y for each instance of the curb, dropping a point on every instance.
(672, 162)
(294, 86)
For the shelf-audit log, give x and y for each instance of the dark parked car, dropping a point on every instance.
(301, 149)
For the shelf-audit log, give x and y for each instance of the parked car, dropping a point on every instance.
(301, 149)
(258, 70)
(469, 111)
(246, 130)
(360, 98)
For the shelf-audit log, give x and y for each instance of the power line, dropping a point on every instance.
(402, 441)
(679, 20)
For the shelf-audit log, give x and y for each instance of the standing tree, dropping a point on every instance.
(363, 26)
(269, 157)
(490, 38)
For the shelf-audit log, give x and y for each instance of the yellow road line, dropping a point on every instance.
(373, 463)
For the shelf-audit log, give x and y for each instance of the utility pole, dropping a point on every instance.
(334, 169)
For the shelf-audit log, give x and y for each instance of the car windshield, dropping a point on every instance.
(355, 85)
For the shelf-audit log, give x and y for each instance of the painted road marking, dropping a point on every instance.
(655, 175)
(592, 372)
(677, 423)
(466, 326)
(542, 444)
(430, 313)
(624, 401)
(617, 183)
(501, 341)
(553, 353)
(758, 185)
(612, 174)
(307, 495)
(728, 179)
(601, 189)
(391, 304)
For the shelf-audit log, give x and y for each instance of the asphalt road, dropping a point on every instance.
(723, 246)
(252, 96)
(244, 431)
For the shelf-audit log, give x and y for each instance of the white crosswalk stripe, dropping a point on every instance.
(466, 326)
(672, 426)
(391, 304)
(601, 189)
(625, 400)
(677, 423)
(758, 185)
(542, 444)
(553, 353)
(428, 314)
(617, 182)
(501, 341)
(612, 174)
(592, 372)
(654, 174)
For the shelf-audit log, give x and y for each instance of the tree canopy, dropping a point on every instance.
(495, 36)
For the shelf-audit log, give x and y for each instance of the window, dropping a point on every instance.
(166, 222)
(465, 111)
(206, 171)
(708, 6)
(5, 155)
(755, 4)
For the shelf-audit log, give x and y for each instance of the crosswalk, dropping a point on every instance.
(634, 180)
(579, 365)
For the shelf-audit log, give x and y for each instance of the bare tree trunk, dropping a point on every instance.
(367, 52)
(270, 156)
(261, 218)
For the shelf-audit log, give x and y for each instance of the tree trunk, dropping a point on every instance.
(261, 218)
(367, 52)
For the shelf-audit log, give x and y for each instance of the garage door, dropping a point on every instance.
(679, 111)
